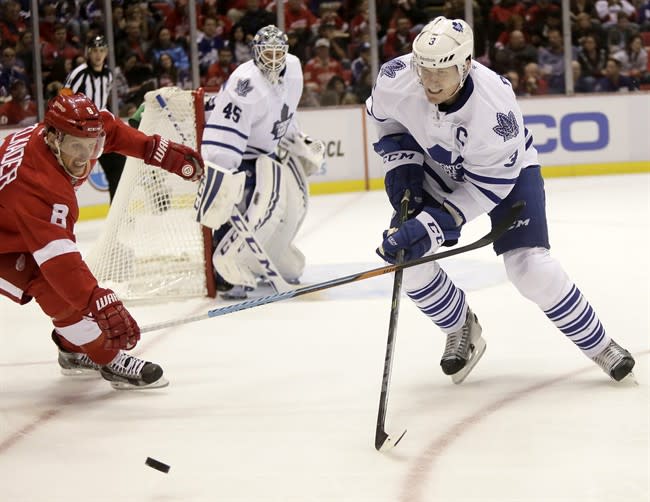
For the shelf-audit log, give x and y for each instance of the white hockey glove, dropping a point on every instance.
(310, 152)
(219, 191)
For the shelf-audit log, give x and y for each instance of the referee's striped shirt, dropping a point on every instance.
(95, 85)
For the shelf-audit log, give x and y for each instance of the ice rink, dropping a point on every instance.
(279, 403)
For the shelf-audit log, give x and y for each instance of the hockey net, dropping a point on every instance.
(151, 247)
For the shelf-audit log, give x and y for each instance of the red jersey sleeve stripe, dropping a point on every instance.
(10, 290)
(53, 249)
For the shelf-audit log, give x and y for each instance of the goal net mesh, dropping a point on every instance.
(151, 247)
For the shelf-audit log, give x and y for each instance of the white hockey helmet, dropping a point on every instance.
(444, 43)
(270, 47)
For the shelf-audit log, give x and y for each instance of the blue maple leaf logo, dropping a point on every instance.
(280, 126)
(391, 68)
(507, 126)
(243, 87)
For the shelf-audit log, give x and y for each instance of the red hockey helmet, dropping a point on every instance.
(78, 132)
(75, 115)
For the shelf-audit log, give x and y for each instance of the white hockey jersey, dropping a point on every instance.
(474, 148)
(250, 115)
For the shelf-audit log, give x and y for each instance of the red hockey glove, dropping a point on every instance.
(174, 157)
(117, 325)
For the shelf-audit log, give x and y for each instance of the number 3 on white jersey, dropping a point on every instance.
(59, 215)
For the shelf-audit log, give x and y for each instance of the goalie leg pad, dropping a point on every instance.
(289, 258)
(227, 261)
(275, 213)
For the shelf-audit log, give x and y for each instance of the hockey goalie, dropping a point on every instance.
(255, 192)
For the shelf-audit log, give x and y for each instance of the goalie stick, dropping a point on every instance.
(382, 439)
(487, 239)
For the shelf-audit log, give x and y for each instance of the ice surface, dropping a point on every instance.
(279, 403)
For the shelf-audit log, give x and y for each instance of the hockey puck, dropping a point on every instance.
(155, 464)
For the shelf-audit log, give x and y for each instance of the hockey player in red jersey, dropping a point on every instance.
(40, 169)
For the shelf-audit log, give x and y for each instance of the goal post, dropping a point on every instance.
(151, 247)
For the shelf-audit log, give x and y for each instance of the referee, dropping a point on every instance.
(94, 79)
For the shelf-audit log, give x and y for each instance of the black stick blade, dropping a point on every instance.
(385, 442)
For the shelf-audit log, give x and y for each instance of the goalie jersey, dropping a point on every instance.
(472, 150)
(250, 116)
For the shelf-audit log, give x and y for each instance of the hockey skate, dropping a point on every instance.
(128, 372)
(237, 292)
(231, 291)
(615, 361)
(464, 348)
(75, 363)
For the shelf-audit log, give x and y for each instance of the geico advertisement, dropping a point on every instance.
(588, 130)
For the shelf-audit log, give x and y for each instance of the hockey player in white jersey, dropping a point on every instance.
(252, 120)
(451, 131)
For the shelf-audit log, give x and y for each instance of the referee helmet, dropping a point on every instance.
(97, 42)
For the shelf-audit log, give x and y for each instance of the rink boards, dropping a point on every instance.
(579, 135)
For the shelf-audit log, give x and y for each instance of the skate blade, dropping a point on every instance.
(234, 296)
(477, 353)
(79, 372)
(161, 382)
(629, 379)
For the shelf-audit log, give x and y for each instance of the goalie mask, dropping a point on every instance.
(270, 47)
(442, 54)
(75, 133)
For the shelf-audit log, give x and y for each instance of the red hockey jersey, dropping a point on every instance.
(38, 205)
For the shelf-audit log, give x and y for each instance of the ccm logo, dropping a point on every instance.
(391, 157)
(576, 132)
(520, 223)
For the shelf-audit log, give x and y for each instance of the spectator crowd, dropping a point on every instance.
(521, 40)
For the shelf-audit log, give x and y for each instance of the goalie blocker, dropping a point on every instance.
(256, 226)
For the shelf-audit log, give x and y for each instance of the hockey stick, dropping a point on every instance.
(163, 104)
(487, 239)
(381, 438)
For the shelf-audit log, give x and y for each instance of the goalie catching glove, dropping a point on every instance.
(308, 151)
(117, 325)
(174, 157)
(420, 236)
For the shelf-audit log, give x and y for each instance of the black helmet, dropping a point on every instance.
(98, 41)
